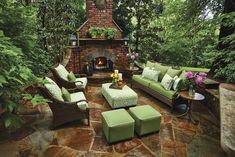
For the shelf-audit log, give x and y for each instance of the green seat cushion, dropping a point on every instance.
(173, 72)
(62, 72)
(163, 69)
(77, 96)
(117, 125)
(65, 94)
(82, 105)
(71, 76)
(170, 94)
(141, 80)
(53, 88)
(147, 119)
(83, 80)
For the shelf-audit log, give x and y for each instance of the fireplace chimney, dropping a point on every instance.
(99, 14)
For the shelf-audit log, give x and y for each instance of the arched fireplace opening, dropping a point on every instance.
(102, 63)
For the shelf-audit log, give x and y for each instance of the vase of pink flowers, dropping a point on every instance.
(193, 80)
(132, 57)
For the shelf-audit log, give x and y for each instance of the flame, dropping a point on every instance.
(99, 62)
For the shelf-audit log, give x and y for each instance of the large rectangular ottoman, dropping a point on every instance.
(117, 125)
(147, 119)
(119, 98)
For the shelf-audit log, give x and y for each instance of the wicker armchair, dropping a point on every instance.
(80, 82)
(64, 112)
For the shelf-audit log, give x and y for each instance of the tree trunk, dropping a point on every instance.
(229, 6)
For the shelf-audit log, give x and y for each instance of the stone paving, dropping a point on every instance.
(176, 138)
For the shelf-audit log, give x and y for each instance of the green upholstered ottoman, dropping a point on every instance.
(147, 119)
(117, 125)
(119, 98)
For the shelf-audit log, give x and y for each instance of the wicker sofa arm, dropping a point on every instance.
(77, 89)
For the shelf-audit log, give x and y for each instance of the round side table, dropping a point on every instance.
(190, 99)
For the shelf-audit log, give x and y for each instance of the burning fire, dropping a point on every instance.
(100, 62)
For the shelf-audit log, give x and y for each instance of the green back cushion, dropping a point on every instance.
(150, 64)
(65, 94)
(167, 82)
(53, 88)
(173, 72)
(71, 76)
(182, 75)
(162, 69)
(183, 81)
(62, 72)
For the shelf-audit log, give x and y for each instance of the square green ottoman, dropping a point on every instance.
(147, 119)
(119, 98)
(117, 125)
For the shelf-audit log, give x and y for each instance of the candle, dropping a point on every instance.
(120, 76)
(116, 71)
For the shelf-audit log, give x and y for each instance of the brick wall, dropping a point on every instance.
(99, 18)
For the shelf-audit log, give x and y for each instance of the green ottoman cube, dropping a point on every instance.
(117, 125)
(147, 119)
(119, 98)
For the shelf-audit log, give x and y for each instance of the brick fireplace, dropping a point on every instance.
(103, 54)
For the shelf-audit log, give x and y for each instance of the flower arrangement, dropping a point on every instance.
(194, 80)
(132, 57)
(115, 77)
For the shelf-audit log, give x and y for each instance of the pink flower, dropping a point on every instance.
(189, 74)
(136, 55)
(132, 57)
(127, 54)
(203, 75)
(199, 80)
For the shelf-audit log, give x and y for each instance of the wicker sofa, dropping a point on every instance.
(170, 97)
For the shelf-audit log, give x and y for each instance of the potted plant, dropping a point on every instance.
(193, 80)
(132, 57)
(93, 32)
(111, 33)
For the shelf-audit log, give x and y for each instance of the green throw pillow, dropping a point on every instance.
(65, 94)
(71, 76)
(173, 72)
(150, 74)
(167, 82)
(162, 69)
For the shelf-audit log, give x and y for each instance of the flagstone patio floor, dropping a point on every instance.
(177, 136)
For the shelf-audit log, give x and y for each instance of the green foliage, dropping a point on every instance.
(101, 32)
(19, 23)
(14, 74)
(226, 70)
(57, 21)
